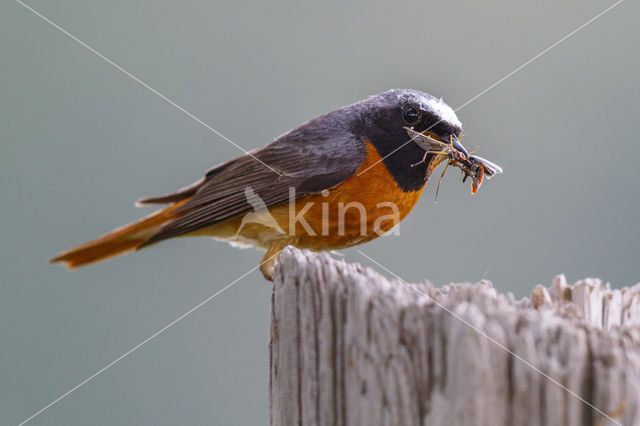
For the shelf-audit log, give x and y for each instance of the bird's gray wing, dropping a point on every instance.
(308, 159)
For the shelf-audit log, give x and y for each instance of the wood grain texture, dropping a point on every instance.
(349, 347)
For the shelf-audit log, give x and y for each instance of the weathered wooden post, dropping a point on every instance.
(348, 347)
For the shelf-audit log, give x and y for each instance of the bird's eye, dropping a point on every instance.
(411, 116)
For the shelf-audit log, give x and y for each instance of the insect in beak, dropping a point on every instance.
(478, 167)
(472, 166)
(477, 179)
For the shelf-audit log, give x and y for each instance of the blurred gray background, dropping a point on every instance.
(81, 142)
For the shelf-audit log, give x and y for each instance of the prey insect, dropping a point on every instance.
(477, 168)
(456, 155)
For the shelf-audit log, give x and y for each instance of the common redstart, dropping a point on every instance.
(341, 179)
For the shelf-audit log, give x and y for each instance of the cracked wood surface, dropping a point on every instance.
(349, 347)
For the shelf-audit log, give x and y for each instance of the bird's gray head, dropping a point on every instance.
(420, 110)
(382, 119)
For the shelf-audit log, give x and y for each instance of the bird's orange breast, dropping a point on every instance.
(363, 207)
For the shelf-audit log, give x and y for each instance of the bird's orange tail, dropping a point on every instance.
(118, 241)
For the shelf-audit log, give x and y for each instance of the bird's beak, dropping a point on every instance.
(455, 142)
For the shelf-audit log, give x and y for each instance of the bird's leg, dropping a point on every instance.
(268, 262)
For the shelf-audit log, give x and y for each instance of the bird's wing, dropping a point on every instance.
(308, 161)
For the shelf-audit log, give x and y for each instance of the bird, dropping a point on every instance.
(339, 180)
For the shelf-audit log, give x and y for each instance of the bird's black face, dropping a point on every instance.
(385, 123)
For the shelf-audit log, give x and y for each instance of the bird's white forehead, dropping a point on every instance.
(430, 103)
(444, 111)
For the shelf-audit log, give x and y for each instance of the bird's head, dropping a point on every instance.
(384, 119)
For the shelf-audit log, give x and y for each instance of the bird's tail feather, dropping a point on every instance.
(120, 240)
